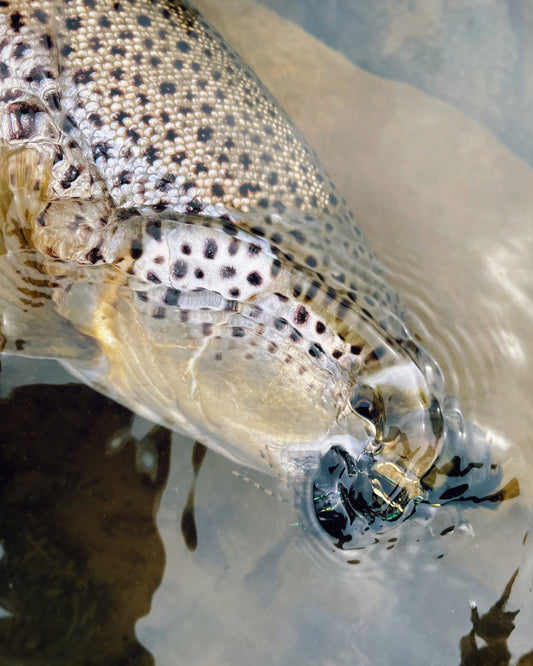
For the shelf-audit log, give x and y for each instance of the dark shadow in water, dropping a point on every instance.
(82, 556)
(188, 522)
(494, 628)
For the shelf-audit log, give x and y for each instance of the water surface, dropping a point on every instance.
(93, 498)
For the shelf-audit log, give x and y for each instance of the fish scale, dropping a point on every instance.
(226, 140)
(172, 239)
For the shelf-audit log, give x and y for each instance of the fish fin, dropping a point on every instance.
(24, 179)
(29, 322)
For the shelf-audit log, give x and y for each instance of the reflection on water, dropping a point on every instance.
(493, 628)
(82, 556)
(188, 523)
(81, 553)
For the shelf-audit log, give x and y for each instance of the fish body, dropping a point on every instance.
(183, 250)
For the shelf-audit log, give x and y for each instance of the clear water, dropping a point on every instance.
(95, 566)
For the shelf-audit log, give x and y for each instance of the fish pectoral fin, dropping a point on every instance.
(30, 324)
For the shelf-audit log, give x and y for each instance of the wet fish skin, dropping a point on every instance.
(170, 114)
(186, 227)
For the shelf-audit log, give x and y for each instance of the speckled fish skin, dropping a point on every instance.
(186, 228)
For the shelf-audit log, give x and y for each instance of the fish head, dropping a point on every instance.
(366, 484)
(268, 376)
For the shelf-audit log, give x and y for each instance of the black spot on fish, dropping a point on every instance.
(295, 335)
(275, 267)
(153, 229)
(73, 23)
(124, 178)
(19, 50)
(204, 134)
(200, 168)
(227, 272)
(245, 160)
(233, 247)
(179, 157)
(133, 135)
(117, 74)
(165, 182)
(255, 279)
(101, 150)
(210, 249)
(312, 291)
(315, 350)
(94, 255)
(301, 315)
(70, 176)
(151, 154)
(167, 88)
(16, 21)
(171, 296)
(136, 249)
(83, 76)
(248, 188)
(41, 16)
(23, 117)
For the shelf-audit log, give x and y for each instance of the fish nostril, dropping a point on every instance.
(364, 408)
(367, 403)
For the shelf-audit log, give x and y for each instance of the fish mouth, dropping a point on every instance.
(351, 497)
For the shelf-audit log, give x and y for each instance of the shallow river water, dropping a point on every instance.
(421, 121)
